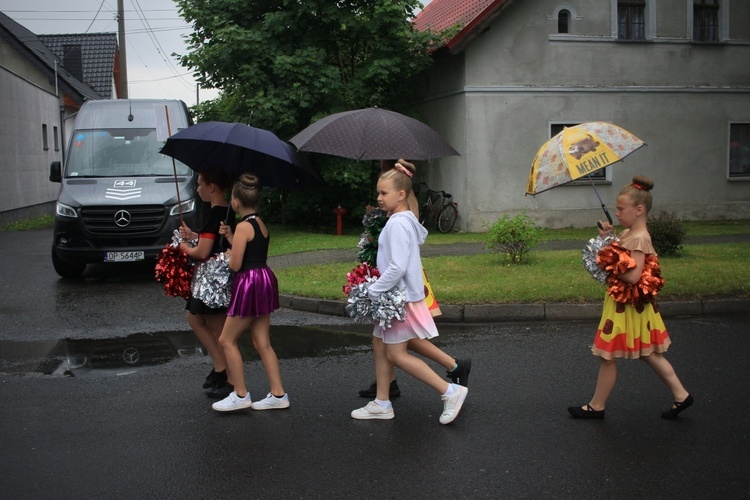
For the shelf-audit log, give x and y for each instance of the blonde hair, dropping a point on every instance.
(401, 180)
(639, 190)
(247, 190)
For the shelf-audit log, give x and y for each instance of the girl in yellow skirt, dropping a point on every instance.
(631, 326)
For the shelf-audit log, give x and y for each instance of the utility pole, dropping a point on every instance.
(123, 58)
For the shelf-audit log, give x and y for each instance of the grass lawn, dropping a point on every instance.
(700, 271)
(551, 276)
(286, 240)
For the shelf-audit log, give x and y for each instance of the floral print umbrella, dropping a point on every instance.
(578, 151)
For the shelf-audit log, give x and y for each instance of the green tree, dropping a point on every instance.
(282, 64)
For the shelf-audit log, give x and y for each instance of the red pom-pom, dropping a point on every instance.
(359, 275)
(615, 259)
(174, 271)
(618, 261)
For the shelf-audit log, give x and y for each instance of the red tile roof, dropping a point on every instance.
(441, 14)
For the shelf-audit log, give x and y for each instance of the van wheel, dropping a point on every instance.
(70, 270)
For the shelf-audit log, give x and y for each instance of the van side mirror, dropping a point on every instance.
(55, 171)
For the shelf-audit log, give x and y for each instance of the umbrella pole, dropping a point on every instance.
(174, 169)
(606, 212)
(229, 210)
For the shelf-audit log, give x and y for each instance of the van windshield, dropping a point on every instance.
(119, 153)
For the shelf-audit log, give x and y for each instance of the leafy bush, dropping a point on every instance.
(515, 236)
(667, 233)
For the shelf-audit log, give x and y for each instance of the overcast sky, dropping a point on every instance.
(153, 31)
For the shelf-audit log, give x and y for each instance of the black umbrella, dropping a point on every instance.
(238, 148)
(372, 134)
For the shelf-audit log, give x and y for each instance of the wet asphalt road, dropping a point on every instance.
(150, 432)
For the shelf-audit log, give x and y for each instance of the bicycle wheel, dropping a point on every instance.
(447, 218)
(425, 214)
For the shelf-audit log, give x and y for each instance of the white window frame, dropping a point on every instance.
(650, 22)
(740, 176)
(723, 22)
(573, 17)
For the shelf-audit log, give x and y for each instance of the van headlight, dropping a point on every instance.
(187, 207)
(65, 211)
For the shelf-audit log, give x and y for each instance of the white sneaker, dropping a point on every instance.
(271, 402)
(373, 411)
(452, 404)
(232, 402)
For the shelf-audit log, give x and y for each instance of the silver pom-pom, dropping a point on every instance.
(589, 253)
(388, 306)
(177, 239)
(363, 241)
(359, 305)
(212, 281)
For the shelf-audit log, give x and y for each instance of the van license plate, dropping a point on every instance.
(123, 256)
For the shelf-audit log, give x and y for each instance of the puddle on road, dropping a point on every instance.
(118, 356)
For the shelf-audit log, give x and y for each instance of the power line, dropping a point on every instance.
(95, 16)
(85, 18)
(79, 11)
(136, 82)
(158, 46)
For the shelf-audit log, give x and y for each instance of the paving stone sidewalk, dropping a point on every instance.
(481, 313)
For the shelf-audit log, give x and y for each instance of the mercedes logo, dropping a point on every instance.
(122, 218)
(131, 355)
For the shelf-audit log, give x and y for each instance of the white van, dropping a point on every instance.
(118, 197)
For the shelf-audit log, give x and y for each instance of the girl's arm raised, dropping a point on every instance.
(226, 231)
(200, 251)
(187, 234)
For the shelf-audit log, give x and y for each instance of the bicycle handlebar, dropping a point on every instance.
(430, 191)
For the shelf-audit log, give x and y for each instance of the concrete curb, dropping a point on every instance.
(491, 313)
(494, 313)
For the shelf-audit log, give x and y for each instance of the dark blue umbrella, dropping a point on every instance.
(238, 148)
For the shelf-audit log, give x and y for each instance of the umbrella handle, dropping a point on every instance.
(226, 220)
(606, 212)
(174, 169)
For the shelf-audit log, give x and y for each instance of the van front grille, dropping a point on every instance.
(117, 221)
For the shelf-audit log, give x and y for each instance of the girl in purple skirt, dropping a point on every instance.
(255, 295)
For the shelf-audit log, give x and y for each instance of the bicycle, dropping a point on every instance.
(439, 209)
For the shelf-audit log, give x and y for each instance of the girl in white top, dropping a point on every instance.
(400, 265)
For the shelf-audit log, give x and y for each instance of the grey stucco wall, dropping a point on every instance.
(24, 163)
(520, 76)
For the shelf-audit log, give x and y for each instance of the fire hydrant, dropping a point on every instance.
(339, 219)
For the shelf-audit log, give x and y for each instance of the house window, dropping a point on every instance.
(597, 175)
(631, 19)
(706, 20)
(739, 150)
(55, 139)
(45, 140)
(563, 21)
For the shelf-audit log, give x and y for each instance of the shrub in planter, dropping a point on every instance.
(515, 236)
(667, 233)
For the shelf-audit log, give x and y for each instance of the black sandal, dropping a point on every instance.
(678, 407)
(588, 412)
